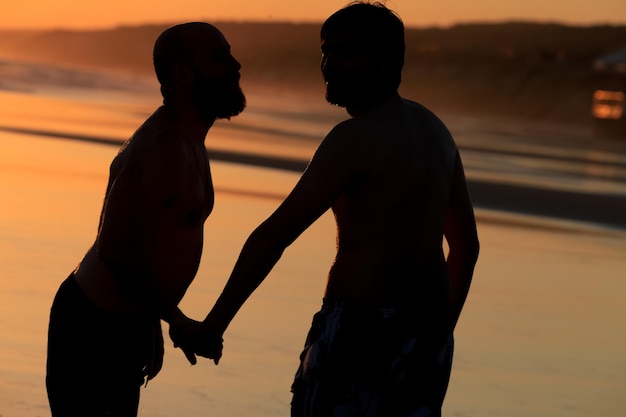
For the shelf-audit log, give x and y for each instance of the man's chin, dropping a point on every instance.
(337, 100)
(229, 114)
(227, 107)
(235, 108)
(334, 98)
(342, 94)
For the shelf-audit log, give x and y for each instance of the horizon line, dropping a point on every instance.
(122, 25)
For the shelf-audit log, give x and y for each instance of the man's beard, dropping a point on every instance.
(357, 89)
(341, 94)
(217, 99)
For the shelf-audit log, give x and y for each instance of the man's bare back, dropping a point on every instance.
(162, 179)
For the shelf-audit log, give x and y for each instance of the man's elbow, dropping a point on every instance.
(265, 240)
(274, 235)
(471, 245)
(474, 249)
(467, 248)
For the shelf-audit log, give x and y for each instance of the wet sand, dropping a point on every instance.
(543, 332)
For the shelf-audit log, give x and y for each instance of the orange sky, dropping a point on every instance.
(74, 14)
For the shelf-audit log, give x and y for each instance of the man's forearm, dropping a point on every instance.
(171, 314)
(256, 260)
(461, 270)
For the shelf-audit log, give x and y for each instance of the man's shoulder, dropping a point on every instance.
(420, 110)
(395, 118)
(157, 134)
(429, 122)
(152, 146)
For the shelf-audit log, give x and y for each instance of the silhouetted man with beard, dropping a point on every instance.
(382, 343)
(105, 336)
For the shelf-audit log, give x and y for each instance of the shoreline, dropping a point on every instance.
(568, 208)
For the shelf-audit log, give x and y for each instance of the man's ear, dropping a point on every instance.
(182, 73)
(381, 69)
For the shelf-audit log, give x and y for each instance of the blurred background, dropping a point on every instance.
(533, 92)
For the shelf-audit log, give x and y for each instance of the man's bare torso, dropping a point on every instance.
(390, 220)
(158, 196)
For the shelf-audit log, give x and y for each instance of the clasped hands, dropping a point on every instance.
(196, 338)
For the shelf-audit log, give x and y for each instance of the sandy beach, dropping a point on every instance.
(543, 333)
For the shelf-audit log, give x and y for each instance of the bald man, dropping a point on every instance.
(105, 336)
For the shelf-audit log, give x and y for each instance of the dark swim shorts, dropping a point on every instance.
(95, 357)
(371, 362)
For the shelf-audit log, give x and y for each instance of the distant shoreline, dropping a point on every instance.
(532, 203)
(529, 70)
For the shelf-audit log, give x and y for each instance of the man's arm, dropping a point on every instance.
(333, 167)
(461, 235)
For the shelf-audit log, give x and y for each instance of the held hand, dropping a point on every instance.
(209, 344)
(183, 331)
(195, 338)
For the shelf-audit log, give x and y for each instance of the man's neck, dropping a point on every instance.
(365, 106)
(188, 118)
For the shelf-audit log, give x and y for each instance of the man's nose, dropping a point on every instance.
(236, 65)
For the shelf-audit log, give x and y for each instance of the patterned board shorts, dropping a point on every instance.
(370, 362)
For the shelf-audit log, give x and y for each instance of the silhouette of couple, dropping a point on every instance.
(381, 344)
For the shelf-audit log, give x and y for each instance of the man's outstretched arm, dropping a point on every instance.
(332, 169)
(258, 256)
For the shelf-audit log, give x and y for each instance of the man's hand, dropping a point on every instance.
(194, 338)
(209, 344)
(182, 329)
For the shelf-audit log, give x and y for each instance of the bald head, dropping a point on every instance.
(195, 67)
(179, 44)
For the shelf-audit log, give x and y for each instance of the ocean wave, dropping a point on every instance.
(35, 77)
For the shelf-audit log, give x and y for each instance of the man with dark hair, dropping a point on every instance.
(381, 345)
(104, 335)
(377, 31)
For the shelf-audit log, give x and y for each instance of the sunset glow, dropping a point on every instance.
(47, 14)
